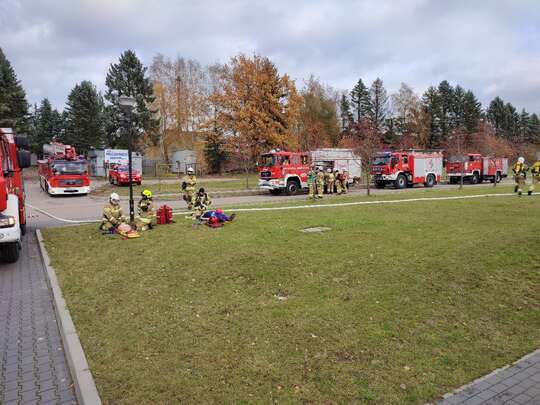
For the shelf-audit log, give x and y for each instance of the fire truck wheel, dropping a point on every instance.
(275, 191)
(475, 179)
(401, 181)
(498, 177)
(10, 252)
(430, 181)
(23, 229)
(292, 187)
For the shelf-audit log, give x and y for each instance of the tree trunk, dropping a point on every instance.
(368, 178)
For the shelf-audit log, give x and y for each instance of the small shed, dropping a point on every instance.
(182, 159)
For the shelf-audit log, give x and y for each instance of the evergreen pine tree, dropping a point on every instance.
(457, 110)
(496, 115)
(524, 126)
(472, 112)
(84, 118)
(128, 78)
(446, 101)
(345, 113)
(534, 123)
(379, 104)
(215, 152)
(360, 101)
(511, 122)
(47, 124)
(431, 106)
(13, 105)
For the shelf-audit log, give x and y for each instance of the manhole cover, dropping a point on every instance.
(316, 229)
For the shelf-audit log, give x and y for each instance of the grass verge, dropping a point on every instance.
(394, 304)
(211, 184)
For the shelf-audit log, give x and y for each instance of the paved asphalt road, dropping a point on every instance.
(90, 207)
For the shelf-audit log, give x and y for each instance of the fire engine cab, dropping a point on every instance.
(407, 168)
(62, 171)
(12, 210)
(288, 171)
(475, 168)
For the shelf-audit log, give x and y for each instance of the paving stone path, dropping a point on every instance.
(516, 384)
(33, 367)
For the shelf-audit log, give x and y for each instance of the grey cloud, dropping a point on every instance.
(489, 47)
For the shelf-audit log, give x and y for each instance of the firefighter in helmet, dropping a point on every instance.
(202, 202)
(189, 181)
(337, 180)
(311, 182)
(112, 214)
(146, 218)
(535, 174)
(319, 182)
(520, 174)
(330, 181)
(345, 181)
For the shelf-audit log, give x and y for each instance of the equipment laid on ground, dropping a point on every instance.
(164, 215)
(12, 209)
(476, 168)
(62, 171)
(407, 168)
(288, 171)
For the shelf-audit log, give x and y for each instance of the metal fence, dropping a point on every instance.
(161, 169)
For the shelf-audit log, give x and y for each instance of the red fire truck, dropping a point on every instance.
(62, 171)
(476, 168)
(12, 210)
(287, 171)
(407, 168)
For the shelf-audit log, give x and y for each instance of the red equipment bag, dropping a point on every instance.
(164, 215)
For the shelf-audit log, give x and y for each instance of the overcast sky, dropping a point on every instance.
(491, 47)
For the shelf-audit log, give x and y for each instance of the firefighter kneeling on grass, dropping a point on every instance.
(535, 174)
(188, 187)
(112, 215)
(202, 202)
(146, 218)
(520, 174)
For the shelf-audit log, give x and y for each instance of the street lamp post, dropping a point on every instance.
(127, 104)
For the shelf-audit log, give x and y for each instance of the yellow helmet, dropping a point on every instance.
(146, 193)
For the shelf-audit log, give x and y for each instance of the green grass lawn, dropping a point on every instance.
(395, 304)
(210, 183)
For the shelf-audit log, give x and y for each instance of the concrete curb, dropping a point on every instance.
(85, 387)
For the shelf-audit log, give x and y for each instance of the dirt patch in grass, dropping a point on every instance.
(398, 304)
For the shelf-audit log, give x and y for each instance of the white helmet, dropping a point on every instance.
(345, 170)
(190, 170)
(521, 159)
(114, 198)
(329, 170)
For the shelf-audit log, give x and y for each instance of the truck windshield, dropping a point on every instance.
(69, 167)
(267, 160)
(381, 160)
(456, 159)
